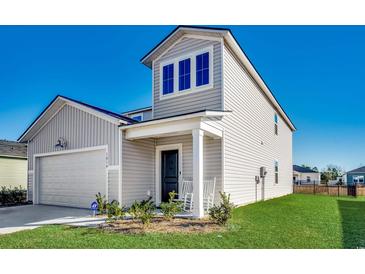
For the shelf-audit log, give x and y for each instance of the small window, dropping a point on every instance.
(276, 128)
(276, 172)
(137, 118)
(168, 79)
(361, 179)
(202, 69)
(355, 179)
(308, 179)
(184, 74)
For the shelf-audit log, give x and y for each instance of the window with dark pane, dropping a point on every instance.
(184, 74)
(202, 69)
(276, 129)
(276, 172)
(168, 79)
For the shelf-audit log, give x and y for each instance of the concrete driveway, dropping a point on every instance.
(18, 218)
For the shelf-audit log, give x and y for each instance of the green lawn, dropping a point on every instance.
(294, 221)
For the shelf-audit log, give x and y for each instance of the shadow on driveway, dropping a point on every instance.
(353, 223)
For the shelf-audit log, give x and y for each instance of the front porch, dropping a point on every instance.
(184, 148)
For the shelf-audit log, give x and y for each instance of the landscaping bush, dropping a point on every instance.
(223, 212)
(143, 210)
(171, 208)
(12, 196)
(100, 199)
(114, 211)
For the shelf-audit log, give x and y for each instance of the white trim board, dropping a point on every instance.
(193, 88)
(158, 151)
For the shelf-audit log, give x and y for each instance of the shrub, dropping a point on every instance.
(223, 212)
(171, 208)
(143, 210)
(114, 211)
(100, 199)
(10, 196)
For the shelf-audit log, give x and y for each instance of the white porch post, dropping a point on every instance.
(198, 139)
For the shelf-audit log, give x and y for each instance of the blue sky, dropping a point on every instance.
(316, 72)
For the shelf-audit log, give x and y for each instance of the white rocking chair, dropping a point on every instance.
(186, 194)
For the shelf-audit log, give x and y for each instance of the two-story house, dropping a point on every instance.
(212, 116)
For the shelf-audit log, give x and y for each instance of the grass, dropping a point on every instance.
(293, 221)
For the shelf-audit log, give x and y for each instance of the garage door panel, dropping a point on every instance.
(72, 179)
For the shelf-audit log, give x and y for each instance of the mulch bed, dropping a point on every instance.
(160, 225)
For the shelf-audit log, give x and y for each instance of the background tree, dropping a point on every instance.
(331, 172)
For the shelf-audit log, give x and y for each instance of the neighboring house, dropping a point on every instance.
(141, 114)
(13, 164)
(212, 116)
(305, 175)
(356, 176)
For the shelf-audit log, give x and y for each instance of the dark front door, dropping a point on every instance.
(169, 173)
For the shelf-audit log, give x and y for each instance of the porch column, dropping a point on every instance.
(198, 209)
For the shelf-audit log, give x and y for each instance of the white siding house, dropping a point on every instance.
(212, 116)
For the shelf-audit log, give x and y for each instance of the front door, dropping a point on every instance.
(169, 173)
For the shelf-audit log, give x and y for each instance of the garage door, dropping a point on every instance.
(71, 179)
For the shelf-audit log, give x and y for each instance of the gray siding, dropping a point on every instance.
(138, 169)
(207, 99)
(80, 129)
(30, 186)
(249, 139)
(113, 184)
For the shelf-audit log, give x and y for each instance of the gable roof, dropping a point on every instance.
(57, 103)
(303, 169)
(358, 170)
(137, 110)
(228, 37)
(13, 149)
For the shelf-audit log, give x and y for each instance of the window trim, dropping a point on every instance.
(173, 78)
(276, 124)
(276, 172)
(178, 86)
(193, 88)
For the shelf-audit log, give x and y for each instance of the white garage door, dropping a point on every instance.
(72, 179)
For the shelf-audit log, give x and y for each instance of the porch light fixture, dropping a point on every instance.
(61, 143)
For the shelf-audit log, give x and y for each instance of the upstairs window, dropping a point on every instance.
(168, 79)
(276, 129)
(202, 69)
(276, 172)
(184, 74)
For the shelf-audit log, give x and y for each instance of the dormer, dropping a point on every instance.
(187, 71)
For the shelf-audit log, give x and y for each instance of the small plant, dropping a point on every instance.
(171, 208)
(114, 211)
(223, 212)
(100, 199)
(143, 211)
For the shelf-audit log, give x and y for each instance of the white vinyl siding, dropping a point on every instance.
(80, 129)
(194, 101)
(113, 184)
(249, 139)
(212, 157)
(138, 170)
(13, 172)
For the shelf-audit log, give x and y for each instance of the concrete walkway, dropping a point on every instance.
(19, 218)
